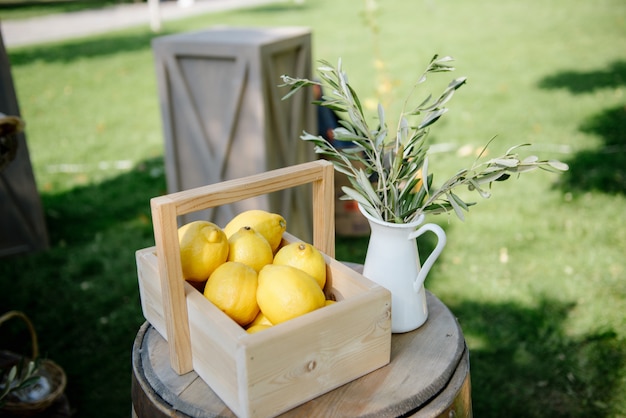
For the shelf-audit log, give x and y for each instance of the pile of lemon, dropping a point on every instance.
(248, 274)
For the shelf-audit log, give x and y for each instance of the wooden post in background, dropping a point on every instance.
(224, 118)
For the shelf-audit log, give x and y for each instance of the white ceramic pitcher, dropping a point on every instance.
(392, 260)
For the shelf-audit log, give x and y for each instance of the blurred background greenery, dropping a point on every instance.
(536, 274)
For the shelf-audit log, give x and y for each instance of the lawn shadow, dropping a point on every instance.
(604, 168)
(56, 6)
(280, 7)
(73, 50)
(523, 360)
(581, 82)
(82, 293)
(75, 215)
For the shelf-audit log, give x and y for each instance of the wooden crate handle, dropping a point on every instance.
(165, 210)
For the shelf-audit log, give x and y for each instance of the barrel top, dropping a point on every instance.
(422, 364)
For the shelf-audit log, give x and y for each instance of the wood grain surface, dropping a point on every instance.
(428, 376)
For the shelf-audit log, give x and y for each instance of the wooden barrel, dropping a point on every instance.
(428, 376)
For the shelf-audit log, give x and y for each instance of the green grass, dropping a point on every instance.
(536, 274)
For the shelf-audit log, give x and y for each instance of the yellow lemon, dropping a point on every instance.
(260, 319)
(256, 328)
(285, 292)
(270, 225)
(329, 302)
(232, 288)
(249, 247)
(203, 247)
(305, 257)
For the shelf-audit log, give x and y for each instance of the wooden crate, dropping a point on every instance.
(269, 372)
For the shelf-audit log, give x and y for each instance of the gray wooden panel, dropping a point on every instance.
(22, 224)
(223, 117)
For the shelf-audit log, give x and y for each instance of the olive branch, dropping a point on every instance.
(389, 176)
(19, 377)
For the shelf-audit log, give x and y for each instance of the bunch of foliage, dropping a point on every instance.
(389, 173)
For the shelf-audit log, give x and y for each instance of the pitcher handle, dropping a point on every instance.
(441, 242)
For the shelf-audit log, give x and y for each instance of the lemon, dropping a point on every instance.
(249, 247)
(232, 288)
(257, 328)
(203, 247)
(305, 257)
(260, 319)
(270, 225)
(285, 292)
(329, 302)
